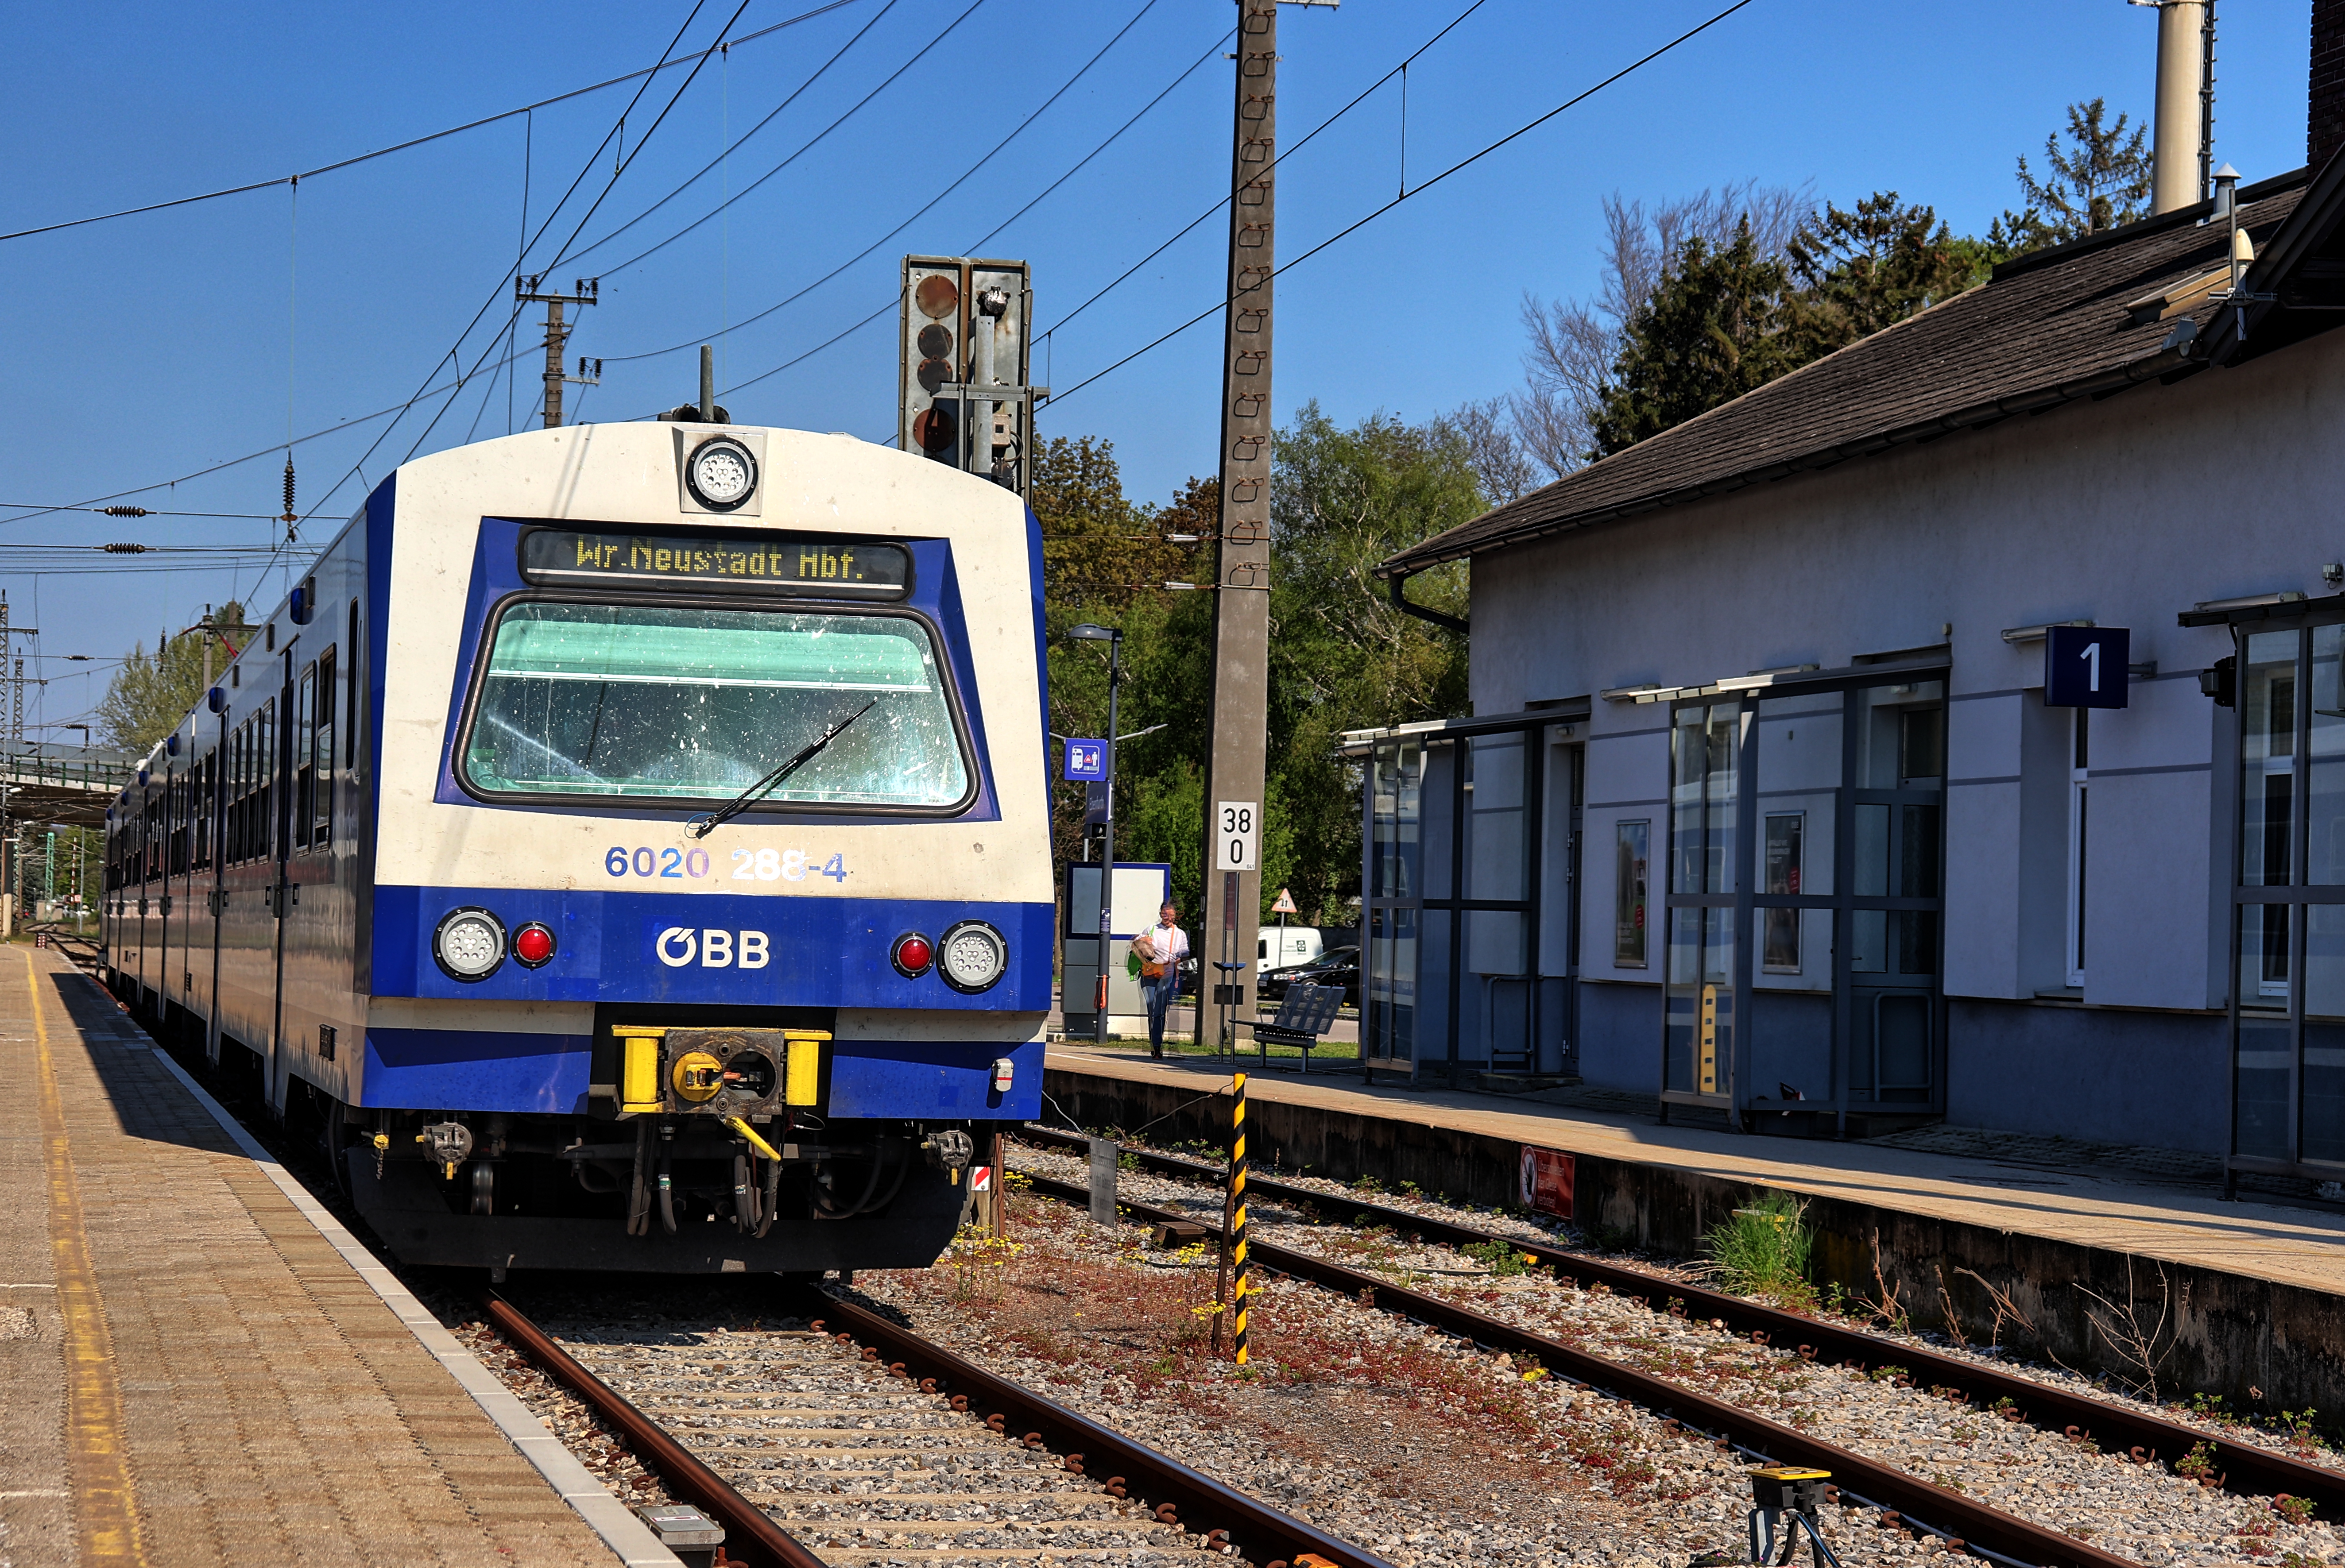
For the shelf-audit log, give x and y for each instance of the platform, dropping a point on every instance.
(198, 1366)
(2251, 1292)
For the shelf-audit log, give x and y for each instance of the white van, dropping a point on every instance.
(1284, 947)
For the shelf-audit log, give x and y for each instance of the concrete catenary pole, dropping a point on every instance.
(1241, 673)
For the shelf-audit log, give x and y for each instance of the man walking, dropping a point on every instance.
(1160, 950)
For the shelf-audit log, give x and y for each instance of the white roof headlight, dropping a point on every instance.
(971, 955)
(721, 473)
(470, 943)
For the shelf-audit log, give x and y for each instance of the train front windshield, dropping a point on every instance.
(697, 704)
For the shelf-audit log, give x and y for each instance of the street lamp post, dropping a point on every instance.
(1113, 638)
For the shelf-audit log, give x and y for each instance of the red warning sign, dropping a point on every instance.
(1546, 1181)
(981, 1178)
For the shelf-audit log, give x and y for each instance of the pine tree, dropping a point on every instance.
(2099, 181)
(1862, 270)
(1713, 329)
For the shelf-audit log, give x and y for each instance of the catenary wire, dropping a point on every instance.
(427, 390)
(796, 92)
(965, 176)
(1054, 184)
(664, 63)
(892, 304)
(1379, 212)
(1281, 158)
(807, 147)
(358, 468)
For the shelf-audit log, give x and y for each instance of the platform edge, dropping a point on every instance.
(628, 1537)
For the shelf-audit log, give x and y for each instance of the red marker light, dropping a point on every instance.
(532, 945)
(912, 955)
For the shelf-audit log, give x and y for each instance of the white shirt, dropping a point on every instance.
(1169, 944)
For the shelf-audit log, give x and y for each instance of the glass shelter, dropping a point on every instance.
(1805, 853)
(1469, 926)
(2286, 685)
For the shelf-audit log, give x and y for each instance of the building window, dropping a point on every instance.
(1634, 852)
(2079, 754)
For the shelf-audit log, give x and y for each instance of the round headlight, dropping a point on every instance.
(470, 943)
(721, 474)
(971, 955)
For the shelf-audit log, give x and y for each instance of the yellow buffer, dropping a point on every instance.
(639, 1090)
(801, 1082)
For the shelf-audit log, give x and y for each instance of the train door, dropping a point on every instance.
(280, 801)
(216, 780)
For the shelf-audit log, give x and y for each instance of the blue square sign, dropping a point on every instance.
(1086, 759)
(2085, 666)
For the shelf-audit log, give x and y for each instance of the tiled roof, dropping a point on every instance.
(2049, 328)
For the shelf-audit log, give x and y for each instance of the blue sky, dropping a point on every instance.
(148, 348)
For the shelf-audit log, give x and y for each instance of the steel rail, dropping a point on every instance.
(749, 1534)
(1196, 1502)
(1967, 1522)
(2245, 1469)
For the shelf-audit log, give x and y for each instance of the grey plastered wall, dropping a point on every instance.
(2125, 511)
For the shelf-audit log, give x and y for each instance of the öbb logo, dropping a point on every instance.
(678, 945)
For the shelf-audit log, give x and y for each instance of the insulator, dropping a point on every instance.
(288, 487)
(126, 549)
(125, 511)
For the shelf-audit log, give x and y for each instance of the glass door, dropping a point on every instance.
(1897, 763)
(1390, 940)
(2288, 994)
(1804, 903)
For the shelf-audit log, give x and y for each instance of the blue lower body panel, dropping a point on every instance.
(470, 1070)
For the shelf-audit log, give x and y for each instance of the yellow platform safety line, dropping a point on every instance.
(106, 1508)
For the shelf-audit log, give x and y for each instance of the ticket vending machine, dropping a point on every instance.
(1141, 890)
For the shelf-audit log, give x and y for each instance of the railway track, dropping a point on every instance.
(2244, 1468)
(1902, 1497)
(841, 1438)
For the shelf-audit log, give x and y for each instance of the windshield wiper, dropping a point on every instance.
(708, 821)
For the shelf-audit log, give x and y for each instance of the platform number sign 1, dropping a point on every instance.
(1237, 830)
(2086, 666)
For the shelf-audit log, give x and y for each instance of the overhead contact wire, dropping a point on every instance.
(352, 161)
(965, 176)
(1454, 169)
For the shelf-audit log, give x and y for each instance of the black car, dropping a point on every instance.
(1335, 967)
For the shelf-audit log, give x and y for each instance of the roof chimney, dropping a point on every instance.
(2186, 101)
(2324, 129)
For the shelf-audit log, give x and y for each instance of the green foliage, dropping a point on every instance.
(1341, 656)
(1761, 1249)
(151, 693)
(2099, 180)
(1713, 329)
(1862, 270)
(1502, 1258)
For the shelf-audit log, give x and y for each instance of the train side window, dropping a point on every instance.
(350, 708)
(271, 786)
(321, 809)
(303, 722)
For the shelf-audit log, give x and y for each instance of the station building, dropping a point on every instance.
(1763, 810)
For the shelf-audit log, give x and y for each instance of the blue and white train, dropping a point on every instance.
(629, 847)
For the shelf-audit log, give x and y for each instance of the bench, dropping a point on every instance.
(1303, 1015)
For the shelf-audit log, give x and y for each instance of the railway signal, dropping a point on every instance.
(962, 396)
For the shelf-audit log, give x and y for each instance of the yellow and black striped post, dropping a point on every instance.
(1237, 1212)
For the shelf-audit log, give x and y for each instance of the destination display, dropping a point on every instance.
(827, 568)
